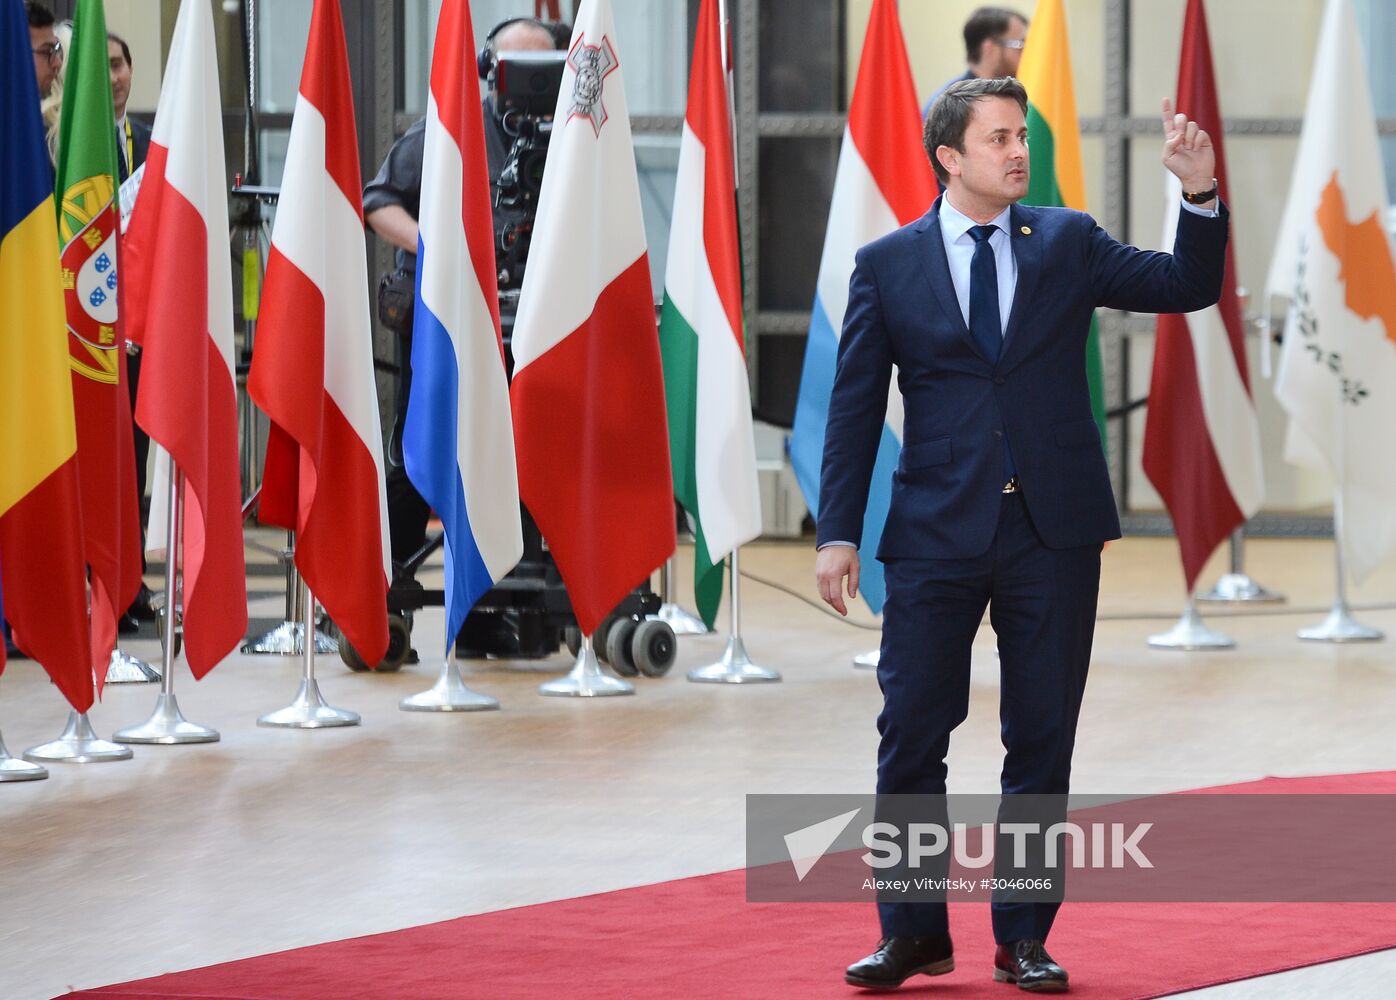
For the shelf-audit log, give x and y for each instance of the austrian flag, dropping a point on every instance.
(313, 368)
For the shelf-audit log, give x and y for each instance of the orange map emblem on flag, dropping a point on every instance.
(1364, 258)
(87, 226)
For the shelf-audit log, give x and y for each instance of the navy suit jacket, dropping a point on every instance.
(960, 407)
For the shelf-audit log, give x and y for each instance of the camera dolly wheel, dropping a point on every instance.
(618, 648)
(653, 648)
(399, 646)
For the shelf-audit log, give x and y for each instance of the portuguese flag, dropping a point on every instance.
(88, 232)
(1054, 144)
(700, 331)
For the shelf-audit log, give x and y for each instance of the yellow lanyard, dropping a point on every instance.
(130, 149)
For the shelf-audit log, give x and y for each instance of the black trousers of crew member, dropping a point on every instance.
(1042, 607)
(408, 513)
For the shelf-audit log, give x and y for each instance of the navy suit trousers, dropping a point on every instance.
(1042, 606)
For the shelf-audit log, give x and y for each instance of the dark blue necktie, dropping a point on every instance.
(985, 325)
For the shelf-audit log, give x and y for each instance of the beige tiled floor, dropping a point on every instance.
(270, 840)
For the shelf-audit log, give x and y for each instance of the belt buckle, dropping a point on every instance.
(1011, 486)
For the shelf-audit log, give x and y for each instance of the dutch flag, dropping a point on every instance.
(458, 444)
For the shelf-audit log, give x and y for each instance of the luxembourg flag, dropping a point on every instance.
(312, 372)
(458, 444)
(884, 181)
(180, 296)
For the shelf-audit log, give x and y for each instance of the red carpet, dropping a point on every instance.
(698, 937)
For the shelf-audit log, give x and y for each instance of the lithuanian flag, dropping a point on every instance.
(1054, 145)
(41, 555)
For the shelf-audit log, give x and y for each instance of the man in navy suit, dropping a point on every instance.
(1001, 497)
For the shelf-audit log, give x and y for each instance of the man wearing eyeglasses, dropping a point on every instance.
(43, 41)
(994, 38)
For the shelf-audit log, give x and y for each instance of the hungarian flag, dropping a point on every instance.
(884, 181)
(1202, 437)
(1056, 178)
(1333, 261)
(701, 330)
(588, 390)
(88, 231)
(458, 443)
(180, 308)
(312, 371)
(42, 574)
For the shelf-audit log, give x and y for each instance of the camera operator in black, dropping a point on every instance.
(391, 204)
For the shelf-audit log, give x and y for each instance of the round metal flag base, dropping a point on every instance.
(1339, 626)
(309, 710)
(681, 621)
(868, 661)
(166, 726)
(1239, 588)
(14, 769)
(127, 669)
(1189, 634)
(449, 694)
(288, 639)
(586, 679)
(78, 745)
(734, 668)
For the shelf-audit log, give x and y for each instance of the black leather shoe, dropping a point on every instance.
(127, 625)
(897, 959)
(1028, 964)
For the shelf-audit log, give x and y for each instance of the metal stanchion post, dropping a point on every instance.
(15, 769)
(1236, 586)
(586, 678)
(1340, 626)
(167, 725)
(735, 667)
(288, 638)
(681, 621)
(1190, 633)
(309, 710)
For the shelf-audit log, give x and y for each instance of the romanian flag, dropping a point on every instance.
(41, 558)
(88, 232)
(1054, 143)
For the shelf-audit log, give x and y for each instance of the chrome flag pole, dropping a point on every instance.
(1190, 633)
(735, 667)
(1340, 626)
(16, 769)
(683, 622)
(288, 638)
(1236, 586)
(449, 693)
(78, 745)
(308, 710)
(586, 679)
(167, 725)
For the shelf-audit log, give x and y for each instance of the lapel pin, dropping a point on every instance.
(1026, 230)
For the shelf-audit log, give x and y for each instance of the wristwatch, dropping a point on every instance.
(1201, 197)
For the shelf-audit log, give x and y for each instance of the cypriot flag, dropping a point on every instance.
(1333, 260)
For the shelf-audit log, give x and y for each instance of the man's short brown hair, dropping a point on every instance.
(949, 117)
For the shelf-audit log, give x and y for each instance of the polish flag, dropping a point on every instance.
(178, 285)
(588, 390)
(312, 369)
(1202, 436)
